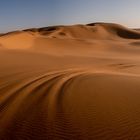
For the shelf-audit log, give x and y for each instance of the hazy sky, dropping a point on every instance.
(20, 14)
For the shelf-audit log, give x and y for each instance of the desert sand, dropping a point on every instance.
(78, 82)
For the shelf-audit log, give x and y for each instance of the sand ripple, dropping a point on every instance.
(70, 104)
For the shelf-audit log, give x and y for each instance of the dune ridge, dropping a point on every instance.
(73, 82)
(89, 31)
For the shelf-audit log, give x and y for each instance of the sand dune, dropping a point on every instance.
(74, 82)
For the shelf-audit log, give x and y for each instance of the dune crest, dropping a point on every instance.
(89, 32)
(17, 40)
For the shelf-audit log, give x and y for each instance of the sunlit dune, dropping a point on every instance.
(78, 82)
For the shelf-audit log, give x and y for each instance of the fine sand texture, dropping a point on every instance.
(78, 82)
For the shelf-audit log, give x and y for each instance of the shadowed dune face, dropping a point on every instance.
(128, 34)
(77, 82)
(136, 43)
(119, 30)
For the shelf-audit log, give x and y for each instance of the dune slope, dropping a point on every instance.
(74, 82)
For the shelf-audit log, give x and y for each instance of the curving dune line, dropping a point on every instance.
(30, 94)
(70, 104)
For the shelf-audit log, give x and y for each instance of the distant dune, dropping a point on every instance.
(78, 82)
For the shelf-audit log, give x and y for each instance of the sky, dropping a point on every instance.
(22, 14)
